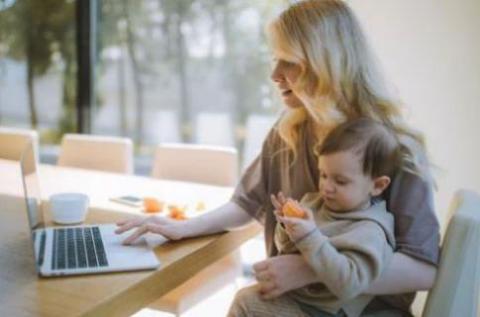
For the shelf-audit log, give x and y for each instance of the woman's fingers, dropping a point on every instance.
(126, 221)
(128, 224)
(268, 281)
(265, 281)
(262, 276)
(267, 288)
(260, 266)
(147, 227)
(122, 222)
(134, 236)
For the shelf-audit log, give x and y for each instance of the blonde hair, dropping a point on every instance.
(338, 77)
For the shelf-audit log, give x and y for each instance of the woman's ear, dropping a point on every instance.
(380, 184)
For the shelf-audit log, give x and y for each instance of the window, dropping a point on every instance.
(38, 66)
(166, 71)
(183, 71)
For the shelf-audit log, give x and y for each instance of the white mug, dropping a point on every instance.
(69, 208)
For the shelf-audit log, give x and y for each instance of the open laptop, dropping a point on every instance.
(72, 250)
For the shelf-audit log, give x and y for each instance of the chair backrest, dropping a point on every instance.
(456, 289)
(13, 141)
(196, 163)
(110, 154)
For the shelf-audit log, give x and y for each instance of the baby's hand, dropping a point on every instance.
(278, 201)
(297, 227)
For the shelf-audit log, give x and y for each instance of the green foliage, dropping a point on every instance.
(152, 35)
(41, 33)
(46, 26)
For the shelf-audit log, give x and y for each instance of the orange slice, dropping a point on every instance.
(152, 204)
(177, 213)
(290, 210)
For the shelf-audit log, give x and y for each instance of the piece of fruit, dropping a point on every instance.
(177, 213)
(291, 210)
(152, 204)
(200, 206)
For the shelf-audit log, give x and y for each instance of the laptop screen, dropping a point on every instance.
(33, 200)
(31, 188)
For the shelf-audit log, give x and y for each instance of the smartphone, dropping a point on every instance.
(133, 201)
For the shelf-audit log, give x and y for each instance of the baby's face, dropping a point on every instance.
(343, 185)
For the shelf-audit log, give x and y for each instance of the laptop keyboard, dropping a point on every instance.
(75, 248)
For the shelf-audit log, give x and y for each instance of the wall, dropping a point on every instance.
(430, 51)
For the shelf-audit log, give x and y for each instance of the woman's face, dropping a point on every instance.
(284, 75)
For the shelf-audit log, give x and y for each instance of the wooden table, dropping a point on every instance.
(22, 293)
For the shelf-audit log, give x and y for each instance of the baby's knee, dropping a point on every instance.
(244, 301)
(248, 295)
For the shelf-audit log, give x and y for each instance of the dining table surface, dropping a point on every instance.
(24, 293)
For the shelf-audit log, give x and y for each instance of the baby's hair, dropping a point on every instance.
(376, 144)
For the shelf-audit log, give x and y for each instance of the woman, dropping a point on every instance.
(326, 75)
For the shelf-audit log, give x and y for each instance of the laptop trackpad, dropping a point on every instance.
(138, 255)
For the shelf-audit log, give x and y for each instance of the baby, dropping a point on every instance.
(343, 231)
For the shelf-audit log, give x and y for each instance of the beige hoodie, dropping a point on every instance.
(347, 251)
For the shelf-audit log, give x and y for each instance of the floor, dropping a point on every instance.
(218, 303)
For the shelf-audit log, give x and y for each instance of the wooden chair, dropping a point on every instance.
(13, 141)
(456, 291)
(204, 164)
(110, 154)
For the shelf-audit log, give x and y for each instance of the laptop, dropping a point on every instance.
(74, 250)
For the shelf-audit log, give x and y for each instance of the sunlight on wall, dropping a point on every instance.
(430, 52)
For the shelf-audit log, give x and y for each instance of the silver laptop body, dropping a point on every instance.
(73, 250)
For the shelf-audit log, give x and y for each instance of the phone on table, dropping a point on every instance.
(129, 200)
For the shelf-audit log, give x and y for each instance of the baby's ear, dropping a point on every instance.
(380, 184)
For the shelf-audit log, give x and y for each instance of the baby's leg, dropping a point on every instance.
(248, 302)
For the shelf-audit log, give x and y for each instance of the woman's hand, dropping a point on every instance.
(281, 274)
(169, 228)
(225, 217)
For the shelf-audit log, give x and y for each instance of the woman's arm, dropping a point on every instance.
(280, 274)
(225, 217)
(404, 274)
(283, 273)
